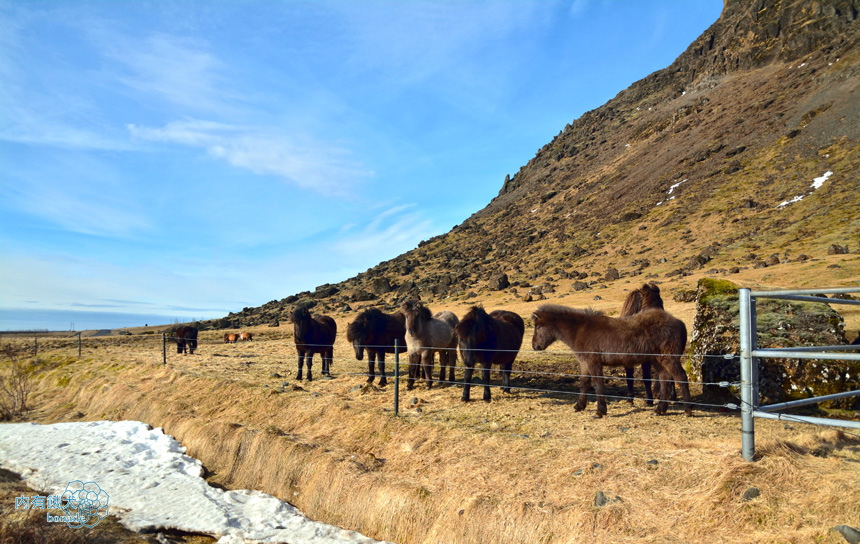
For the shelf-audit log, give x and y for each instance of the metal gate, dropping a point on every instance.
(750, 353)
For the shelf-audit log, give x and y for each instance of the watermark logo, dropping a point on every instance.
(84, 504)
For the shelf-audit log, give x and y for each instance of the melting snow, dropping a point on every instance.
(152, 484)
(816, 184)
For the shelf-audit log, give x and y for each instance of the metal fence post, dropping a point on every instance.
(79, 345)
(749, 388)
(164, 347)
(396, 379)
(35, 346)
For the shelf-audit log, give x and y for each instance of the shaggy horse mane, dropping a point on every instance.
(646, 297)
(557, 310)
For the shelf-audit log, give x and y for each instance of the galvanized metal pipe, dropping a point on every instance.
(808, 419)
(788, 353)
(805, 402)
(748, 388)
(834, 290)
(802, 298)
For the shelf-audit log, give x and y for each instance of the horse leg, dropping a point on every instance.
(506, 378)
(380, 360)
(301, 364)
(310, 362)
(467, 379)
(630, 393)
(663, 381)
(452, 362)
(414, 363)
(371, 361)
(427, 365)
(584, 383)
(598, 390)
(680, 377)
(485, 377)
(646, 377)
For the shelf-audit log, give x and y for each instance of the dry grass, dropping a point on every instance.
(525, 468)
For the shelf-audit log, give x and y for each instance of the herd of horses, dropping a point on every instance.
(644, 335)
(233, 337)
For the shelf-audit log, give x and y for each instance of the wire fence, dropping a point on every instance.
(534, 372)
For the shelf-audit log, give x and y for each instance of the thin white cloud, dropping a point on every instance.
(393, 231)
(303, 162)
(179, 70)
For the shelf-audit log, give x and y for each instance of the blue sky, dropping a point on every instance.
(190, 158)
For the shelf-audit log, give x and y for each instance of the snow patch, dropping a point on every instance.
(152, 484)
(816, 184)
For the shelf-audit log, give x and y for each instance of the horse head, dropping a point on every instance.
(300, 317)
(544, 334)
(356, 332)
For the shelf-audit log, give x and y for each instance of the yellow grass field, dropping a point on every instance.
(523, 469)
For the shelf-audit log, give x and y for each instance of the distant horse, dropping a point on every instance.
(313, 335)
(245, 336)
(492, 339)
(230, 338)
(426, 335)
(647, 296)
(376, 332)
(186, 339)
(598, 341)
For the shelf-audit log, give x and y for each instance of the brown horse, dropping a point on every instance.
(186, 339)
(598, 341)
(647, 296)
(230, 338)
(245, 336)
(427, 334)
(313, 335)
(375, 332)
(492, 339)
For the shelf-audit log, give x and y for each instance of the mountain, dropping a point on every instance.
(744, 152)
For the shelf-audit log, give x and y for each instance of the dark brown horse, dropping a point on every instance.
(647, 296)
(492, 339)
(425, 335)
(375, 332)
(598, 341)
(313, 335)
(186, 339)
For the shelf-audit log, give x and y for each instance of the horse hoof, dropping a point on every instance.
(578, 408)
(383, 382)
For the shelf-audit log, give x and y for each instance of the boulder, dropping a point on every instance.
(499, 281)
(780, 324)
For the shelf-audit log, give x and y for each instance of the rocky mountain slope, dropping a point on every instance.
(744, 152)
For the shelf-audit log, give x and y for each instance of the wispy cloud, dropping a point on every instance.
(397, 229)
(177, 69)
(303, 162)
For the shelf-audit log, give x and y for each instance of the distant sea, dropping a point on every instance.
(67, 320)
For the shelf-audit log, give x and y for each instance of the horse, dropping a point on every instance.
(598, 340)
(313, 335)
(230, 338)
(492, 339)
(647, 296)
(245, 337)
(375, 332)
(426, 335)
(186, 339)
